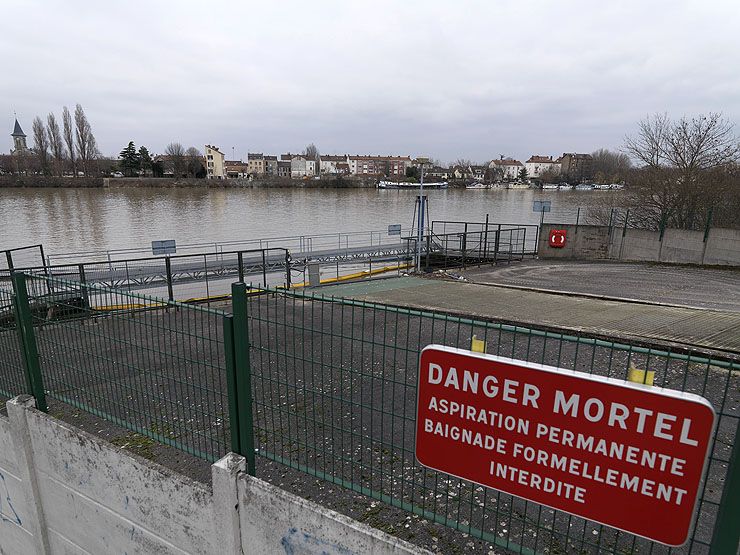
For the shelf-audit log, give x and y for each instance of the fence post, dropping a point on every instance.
(708, 225)
(497, 243)
(168, 267)
(578, 218)
(9, 258)
(24, 317)
(240, 265)
(243, 372)
(264, 271)
(287, 269)
(85, 294)
(726, 534)
(524, 242)
(626, 221)
(228, 324)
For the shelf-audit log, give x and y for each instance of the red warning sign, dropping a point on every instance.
(557, 237)
(621, 454)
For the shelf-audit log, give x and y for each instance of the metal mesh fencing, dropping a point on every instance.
(12, 377)
(146, 364)
(334, 385)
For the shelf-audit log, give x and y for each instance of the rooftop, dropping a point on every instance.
(17, 131)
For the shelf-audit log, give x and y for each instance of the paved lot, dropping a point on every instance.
(681, 327)
(679, 285)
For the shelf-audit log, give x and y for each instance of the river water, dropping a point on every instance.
(65, 220)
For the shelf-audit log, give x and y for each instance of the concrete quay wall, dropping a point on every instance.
(65, 491)
(677, 246)
(50, 182)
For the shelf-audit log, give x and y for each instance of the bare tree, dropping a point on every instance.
(683, 163)
(69, 139)
(87, 148)
(176, 154)
(689, 145)
(463, 162)
(41, 144)
(194, 161)
(56, 144)
(610, 167)
(311, 152)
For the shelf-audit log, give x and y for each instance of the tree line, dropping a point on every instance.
(176, 161)
(69, 146)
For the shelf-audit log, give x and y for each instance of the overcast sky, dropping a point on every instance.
(444, 79)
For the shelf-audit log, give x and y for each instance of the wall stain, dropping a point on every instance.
(3, 517)
(297, 542)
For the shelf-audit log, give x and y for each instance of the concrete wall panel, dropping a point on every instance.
(15, 534)
(76, 494)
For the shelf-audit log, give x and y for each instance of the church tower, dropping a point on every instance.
(19, 140)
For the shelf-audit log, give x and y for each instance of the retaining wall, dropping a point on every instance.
(65, 491)
(164, 182)
(677, 246)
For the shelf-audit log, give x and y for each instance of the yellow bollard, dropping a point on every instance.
(636, 375)
(477, 345)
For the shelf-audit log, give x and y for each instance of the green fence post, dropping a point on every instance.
(708, 225)
(168, 268)
(228, 324)
(28, 341)
(243, 370)
(240, 264)
(726, 536)
(85, 293)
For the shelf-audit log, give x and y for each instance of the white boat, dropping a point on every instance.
(549, 186)
(477, 186)
(584, 187)
(407, 185)
(565, 187)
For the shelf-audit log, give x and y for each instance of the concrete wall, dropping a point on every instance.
(326, 182)
(65, 491)
(678, 246)
(582, 242)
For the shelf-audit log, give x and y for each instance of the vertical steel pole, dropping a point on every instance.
(485, 241)
(168, 268)
(9, 258)
(228, 327)
(24, 317)
(287, 269)
(243, 372)
(708, 225)
(240, 265)
(421, 219)
(85, 294)
(264, 270)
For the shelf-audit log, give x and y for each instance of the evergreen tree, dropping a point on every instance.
(523, 176)
(130, 161)
(145, 160)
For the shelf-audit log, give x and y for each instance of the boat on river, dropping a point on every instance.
(477, 186)
(407, 185)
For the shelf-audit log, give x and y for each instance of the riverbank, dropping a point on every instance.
(49, 182)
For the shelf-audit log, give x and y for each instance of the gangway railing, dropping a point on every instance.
(294, 243)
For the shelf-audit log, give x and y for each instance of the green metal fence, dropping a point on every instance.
(327, 387)
(12, 376)
(334, 384)
(153, 366)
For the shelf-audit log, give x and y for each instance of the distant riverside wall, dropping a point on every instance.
(101, 182)
(677, 246)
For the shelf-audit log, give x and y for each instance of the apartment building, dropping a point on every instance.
(215, 168)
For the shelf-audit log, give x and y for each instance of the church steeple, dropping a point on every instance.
(19, 139)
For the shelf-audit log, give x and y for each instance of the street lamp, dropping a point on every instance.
(420, 162)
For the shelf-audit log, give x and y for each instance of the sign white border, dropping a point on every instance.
(661, 391)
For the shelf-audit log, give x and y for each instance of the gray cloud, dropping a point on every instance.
(447, 79)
